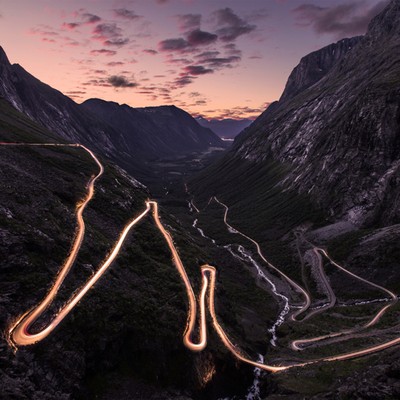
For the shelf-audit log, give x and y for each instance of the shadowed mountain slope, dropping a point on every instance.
(335, 131)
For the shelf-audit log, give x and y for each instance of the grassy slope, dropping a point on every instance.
(131, 323)
(260, 197)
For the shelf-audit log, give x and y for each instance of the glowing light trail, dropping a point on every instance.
(299, 344)
(19, 331)
(296, 286)
(19, 334)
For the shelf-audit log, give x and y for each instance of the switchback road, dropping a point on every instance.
(20, 335)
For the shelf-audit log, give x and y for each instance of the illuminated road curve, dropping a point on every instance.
(19, 334)
(296, 286)
(298, 344)
(19, 331)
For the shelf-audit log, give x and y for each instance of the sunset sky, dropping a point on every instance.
(216, 58)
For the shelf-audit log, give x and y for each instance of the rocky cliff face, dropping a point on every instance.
(315, 66)
(338, 128)
(386, 23)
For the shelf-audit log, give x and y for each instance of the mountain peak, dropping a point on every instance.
(386, 22)
(316, 65)
(3, 57)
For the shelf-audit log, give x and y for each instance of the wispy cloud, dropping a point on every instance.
(43, 30)
(203, 52)
(231, 25)
(351, 18)
(125, 13)
(201, 38)
(105, 52)
(183, 80)
(177, 44)
(84, 17)
(189, 22)
(197, 70)
(76, 94)
(152, 52)
(115, 64)
(70, 25)
(109, 34)
(89, 18)
(221, 61)
(237, 112)
(97, 82)
(119, 81)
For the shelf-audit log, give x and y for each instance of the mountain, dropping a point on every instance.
(53, 110)
(317, 168)
(321, 168)
(154, 131)
(315, 66)
(135, 137)
(225, 128)
(333, 135)
(125, 336)
(33, 245)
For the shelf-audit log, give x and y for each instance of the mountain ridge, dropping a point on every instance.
(227, 128)
(316, 65)
(156, 131)
(338, 136)
(76, 123)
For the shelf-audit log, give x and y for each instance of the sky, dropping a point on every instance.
(214, 58)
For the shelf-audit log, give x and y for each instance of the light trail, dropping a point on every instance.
(296, 286)
(331, 294)
(19, 332)
(192, 314)
(274, 368)
(299, 344)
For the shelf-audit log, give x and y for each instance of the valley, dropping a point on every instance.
(299, 312)
(19, 333)
(146, 256)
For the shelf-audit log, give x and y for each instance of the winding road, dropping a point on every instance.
(19, 332)
(299, 344)
(296, 286)
(319, 253)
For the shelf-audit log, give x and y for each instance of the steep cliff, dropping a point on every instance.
(315, 66)
(53, 110)
(336, 128)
